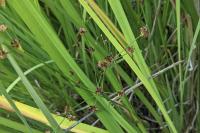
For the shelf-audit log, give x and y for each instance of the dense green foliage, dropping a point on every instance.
(119, 65)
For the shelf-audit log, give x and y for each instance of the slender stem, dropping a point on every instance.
(181, 87)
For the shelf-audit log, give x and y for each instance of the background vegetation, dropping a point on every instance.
(99, 66)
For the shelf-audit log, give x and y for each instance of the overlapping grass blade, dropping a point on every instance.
(15, 125)
(37, 115)
(12, 104)
(149, 85)
(44, 34)
(32, 92)
(40, 25)
(76, 20)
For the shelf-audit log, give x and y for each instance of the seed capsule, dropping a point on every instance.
(15, 43)
(3, 27)
(130, 50)
(82, 31)
(103, 64)
(144, 32)
(109, 58)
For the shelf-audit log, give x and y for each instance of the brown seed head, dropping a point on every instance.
(15, 43)
(3, 27)
(109, 58)
(144, 31)
(130, 50)
(82, 31)
(102, 64)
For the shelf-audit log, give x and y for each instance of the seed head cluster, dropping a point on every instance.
(3, 27)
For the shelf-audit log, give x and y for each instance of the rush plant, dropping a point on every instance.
(99, 66)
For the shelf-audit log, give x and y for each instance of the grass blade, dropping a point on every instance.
(33, 93)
